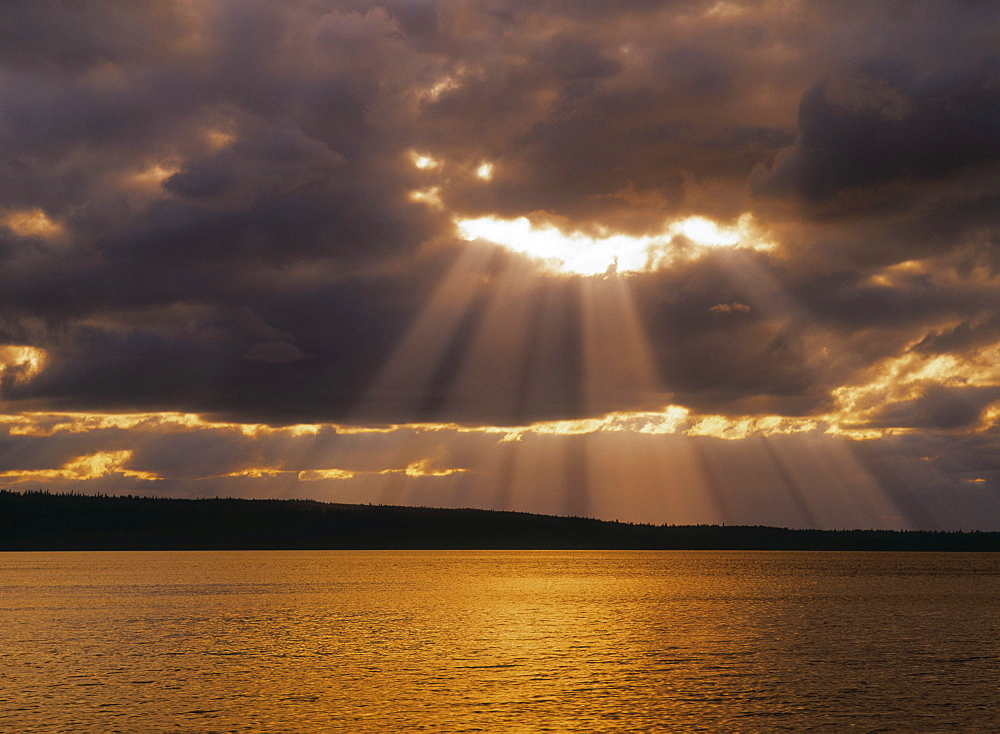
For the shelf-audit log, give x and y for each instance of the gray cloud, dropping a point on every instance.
(939, 408)
(234, 184)
(887, 136)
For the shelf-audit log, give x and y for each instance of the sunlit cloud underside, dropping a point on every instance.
(585, 254)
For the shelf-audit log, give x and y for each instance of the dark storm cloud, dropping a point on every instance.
(940, 408)
(233, 184)
(73, 36)
(968, 335)
(308, 360)
(868, 131)
(714, 359)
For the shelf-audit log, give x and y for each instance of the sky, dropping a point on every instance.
(655, 261)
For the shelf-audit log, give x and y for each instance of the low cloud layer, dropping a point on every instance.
(634, 467)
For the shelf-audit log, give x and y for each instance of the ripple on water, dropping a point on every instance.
(509, 641)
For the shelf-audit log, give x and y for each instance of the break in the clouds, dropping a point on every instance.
(486, 213)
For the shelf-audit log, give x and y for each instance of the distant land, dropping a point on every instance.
(39, 521)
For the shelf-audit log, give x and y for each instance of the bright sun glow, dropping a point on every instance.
(583, 254)
(706, 232)
(423, 162)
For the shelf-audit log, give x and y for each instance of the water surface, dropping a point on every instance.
(509, 641)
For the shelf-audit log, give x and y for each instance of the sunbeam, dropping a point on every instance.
(618, 369)
(493, 375)
(416, 376)
(836, 460)
(716, 262)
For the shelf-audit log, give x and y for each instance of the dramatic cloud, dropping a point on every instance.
(482, 213)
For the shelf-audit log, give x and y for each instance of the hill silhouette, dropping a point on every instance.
(44, 521)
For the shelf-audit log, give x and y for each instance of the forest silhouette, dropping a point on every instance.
(38, 520)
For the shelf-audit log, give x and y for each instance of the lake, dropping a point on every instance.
(498, 641)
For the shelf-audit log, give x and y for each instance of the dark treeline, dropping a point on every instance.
(43, 521)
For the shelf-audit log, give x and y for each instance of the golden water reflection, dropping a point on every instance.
(508, 641)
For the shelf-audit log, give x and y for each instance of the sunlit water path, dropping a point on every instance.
(498, 641)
